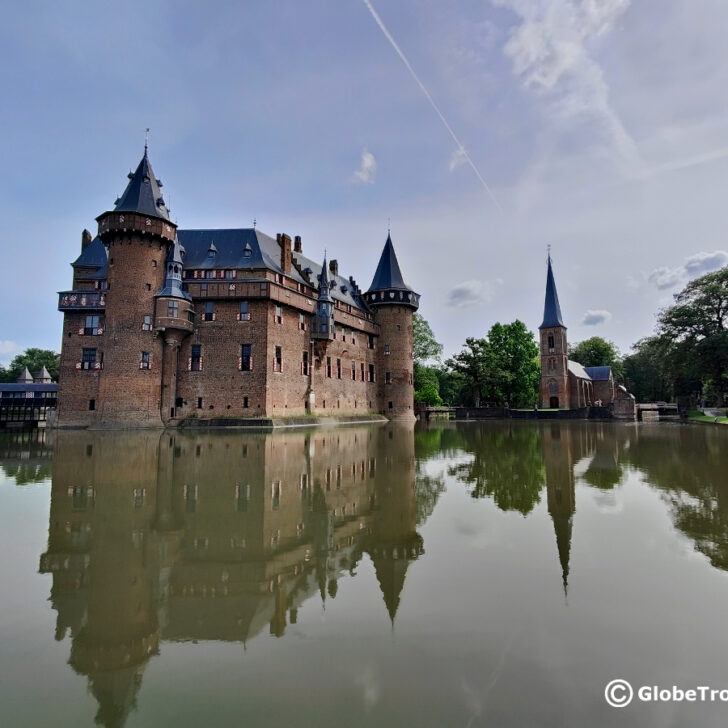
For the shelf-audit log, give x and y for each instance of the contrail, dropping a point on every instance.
(461, 148)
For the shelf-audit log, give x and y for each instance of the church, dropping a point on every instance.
(164, 325)
(566, 384)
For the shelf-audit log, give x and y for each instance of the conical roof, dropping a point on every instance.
(563, 526)
(388, 274)
(324, 294)
(143, 193)
(43, 375)
(391, 574)
(551, 309)
(25, 377)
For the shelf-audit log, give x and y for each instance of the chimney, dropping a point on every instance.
(85, 239)
(297, 244)
(285, 243)
(334, 267)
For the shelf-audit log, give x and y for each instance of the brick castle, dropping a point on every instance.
(163, 325)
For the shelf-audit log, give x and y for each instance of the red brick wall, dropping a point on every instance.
(397, 333)
(559, 374)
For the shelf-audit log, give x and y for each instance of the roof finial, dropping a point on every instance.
(548, 249)
(146, 140)
(389, 225)
(255, 222)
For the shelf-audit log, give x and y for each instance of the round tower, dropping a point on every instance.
(394, 303)
(138, 233)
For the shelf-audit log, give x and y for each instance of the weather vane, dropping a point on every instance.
(146, 139)
(389, 225)
(255, 222)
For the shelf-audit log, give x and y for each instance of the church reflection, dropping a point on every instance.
(176, 537)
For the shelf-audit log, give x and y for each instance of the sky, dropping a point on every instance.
(484, 130)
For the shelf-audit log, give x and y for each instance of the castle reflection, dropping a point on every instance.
(216, 537)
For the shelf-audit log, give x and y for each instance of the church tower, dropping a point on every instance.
(137, 233)
(394, 303)
(554, 387)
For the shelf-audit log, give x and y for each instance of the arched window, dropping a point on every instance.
(553, 387)
(552, 343)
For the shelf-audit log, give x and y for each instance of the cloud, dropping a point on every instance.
(595, 317)
(548, 52)
(470, 293)
(8, 349)
(458, 157)
(693, 267)
(368, 169)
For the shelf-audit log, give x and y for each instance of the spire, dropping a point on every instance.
(563, 527)
(323, 294)
(173, 275)
(43, 376)
(552, 309)
(389, 274)
(143, 193)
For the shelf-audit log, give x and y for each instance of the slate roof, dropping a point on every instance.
(578, 370)
(26, 376)
(388, 274)
(95, 256)
(323, 280)
(29, 387)
(143, 193)
(551, 309)
(598, 374)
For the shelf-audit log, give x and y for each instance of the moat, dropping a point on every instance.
(460, 574)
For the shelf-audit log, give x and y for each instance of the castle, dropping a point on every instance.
(163, 325)
(566, 384)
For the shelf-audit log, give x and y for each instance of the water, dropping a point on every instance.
(466, 574)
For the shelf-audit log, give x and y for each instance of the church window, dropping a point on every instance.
(552, 344)
(553, 387)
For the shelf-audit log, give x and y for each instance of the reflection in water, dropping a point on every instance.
(179, 537)
(217, 537)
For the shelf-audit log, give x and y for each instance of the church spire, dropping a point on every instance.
(551, 309)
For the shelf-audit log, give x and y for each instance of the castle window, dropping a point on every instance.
(92, 326)
(362, 371)
(154, 264)
(275, 495)
(92, 405)
(195, 363)
(353, 371)
(388, 377)
(191, 316)
(211, 274)
(147, 323)
(139, 494)
(172, 309)
(246, 358)
(304, 364)
(242, 497)
(148, 286)
(144, 361)
(353, 337)
(386, 350)
(209, 314)
(245, 403)
(372, 375)
(229, 274)
(328, 366)
(301, 322)
(343, 334)
(278, 361)
(244, 314)
(88, 359)
(370, 343)
(203, 288)
(199, 403)
(391, 405)
(279, 315)
(338, 368)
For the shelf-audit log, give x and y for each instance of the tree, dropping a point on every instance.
(502, 368)
(426, 347)
(698, 325)
(34, 360)
(427, 386)
(648, 371)
(598, 352)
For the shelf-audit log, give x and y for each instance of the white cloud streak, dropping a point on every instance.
(470, 293)
(596, 317)
(368, 168)
(548, 52)
(693, 267)
(460, 147)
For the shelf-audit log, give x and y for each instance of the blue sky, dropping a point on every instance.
(600, 126)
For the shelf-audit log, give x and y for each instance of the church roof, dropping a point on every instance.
(551, 309)
(577, 370)
(388, 274)
(143, 193)
(599, 374)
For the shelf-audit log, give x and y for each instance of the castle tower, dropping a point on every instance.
(394, 303)
(137, 233)
(554, 388)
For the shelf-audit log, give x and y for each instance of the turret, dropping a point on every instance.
(554, 389)
(394, 303)
(322, 323)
